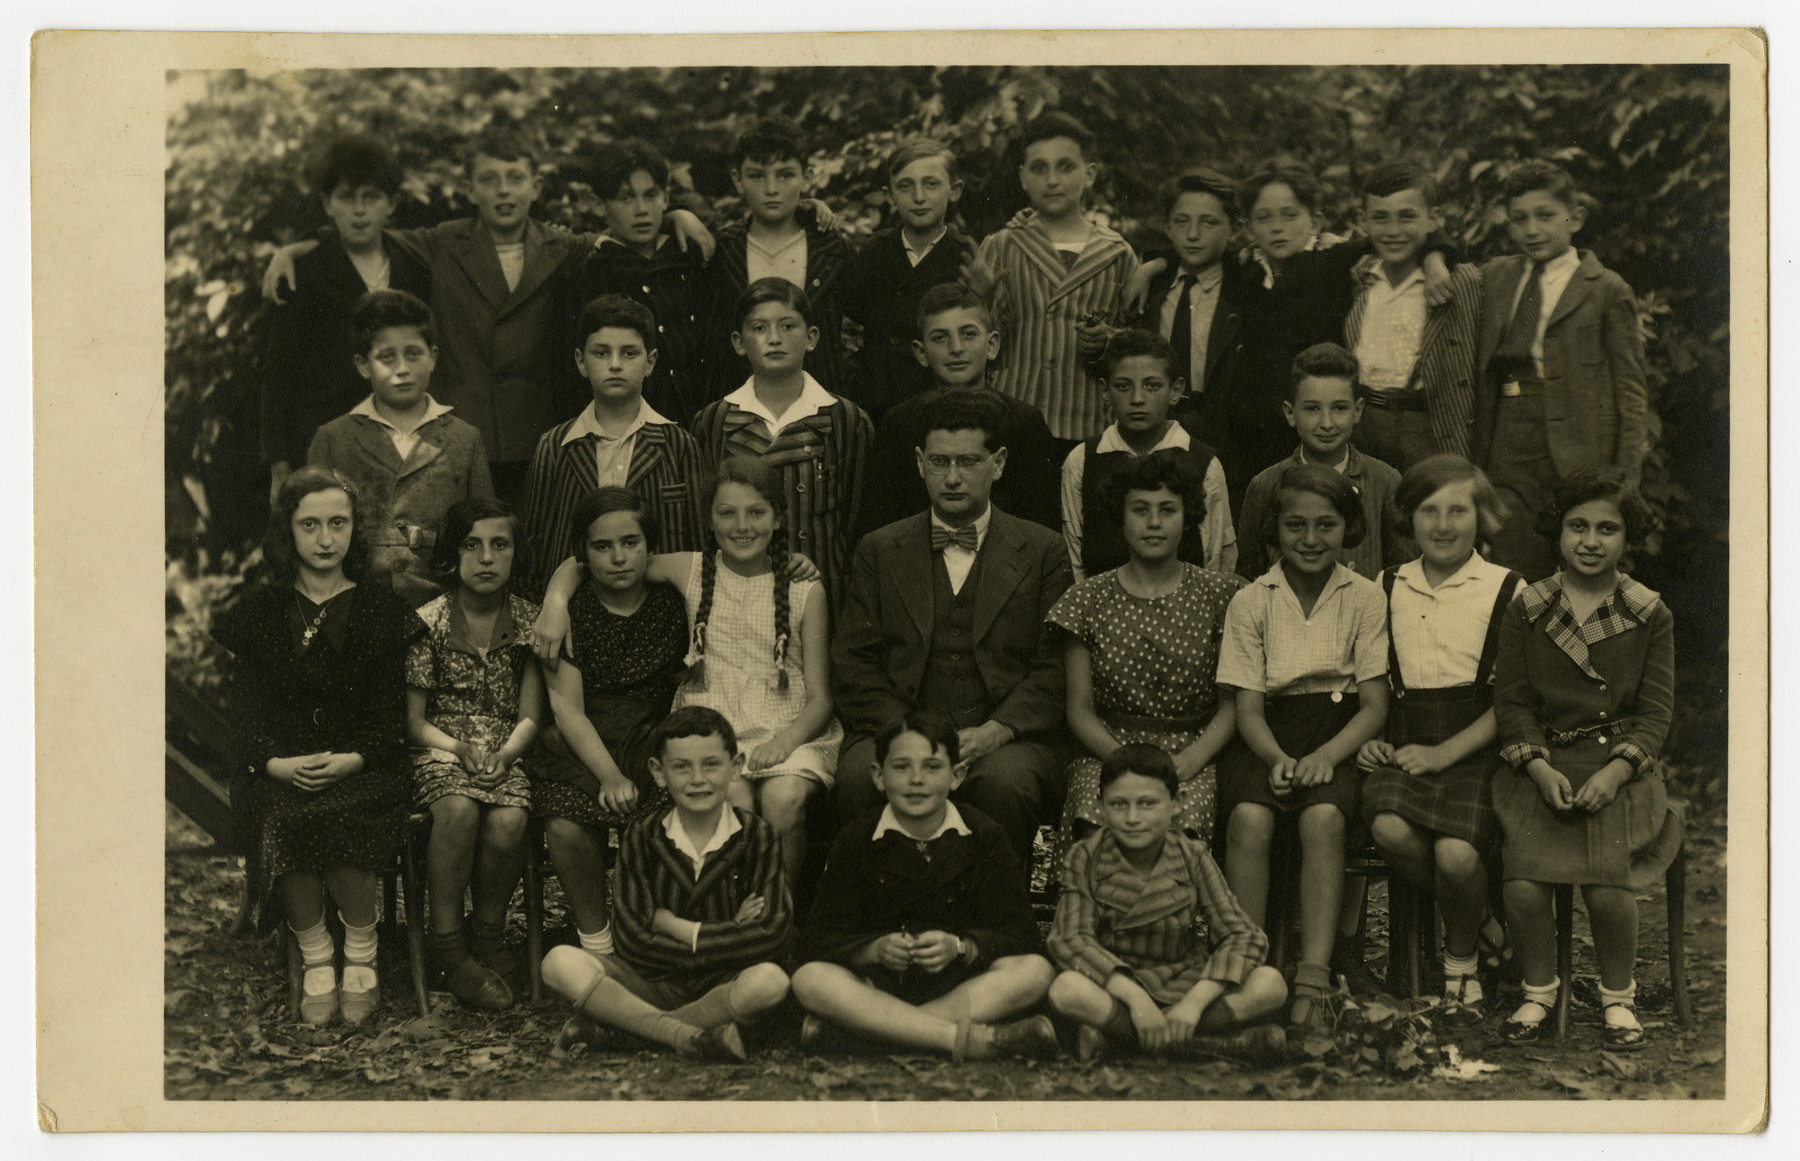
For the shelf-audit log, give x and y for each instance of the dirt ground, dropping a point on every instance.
(229, 1034)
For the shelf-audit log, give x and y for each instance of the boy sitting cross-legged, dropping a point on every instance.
(701, 912)
(921, 933)
(1136, 974)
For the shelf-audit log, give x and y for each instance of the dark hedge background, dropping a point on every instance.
(1648, 143)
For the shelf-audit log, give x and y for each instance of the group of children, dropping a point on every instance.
(1340, 657)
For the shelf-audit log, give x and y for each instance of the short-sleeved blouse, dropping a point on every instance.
(1152, 657)
(1271, 646)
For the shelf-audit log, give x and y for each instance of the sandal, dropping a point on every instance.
(1619, 1037)
(1312, 983)
(1460, 1011)
(1517, 1031)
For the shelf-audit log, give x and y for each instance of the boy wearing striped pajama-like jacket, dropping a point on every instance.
(1054, 281)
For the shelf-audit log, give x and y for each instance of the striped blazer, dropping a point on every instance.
(1445, 369)
(1112, 918)
(665, 472)
(820, 461)
(1039, 305)
(652, 873)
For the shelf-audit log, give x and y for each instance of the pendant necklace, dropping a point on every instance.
(309, 632)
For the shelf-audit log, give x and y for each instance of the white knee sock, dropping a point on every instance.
(316, 950)
(597, 943)
(1460, 979)
(359, 957)
(1617, 1007)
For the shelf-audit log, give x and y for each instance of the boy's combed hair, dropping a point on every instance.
(1544, 175)
(1048, 126)
(1390, 177)
(616, 310)
(356, 160)
(695, 721)
(1292, 174)
(919, 149)
(1598, 483)
(935, 727)
(1143, 759)
(1134, 344)
(378, 310)
(278, 542)
(949, 296)
(752, 472)
(1324, 361)
(1153, 473)
(769, 141)
(604, 502)
(501, 144)
(773, 290)
(1320, 480)
(460, 520)
(614, 163)
(968, 409)
(1200, 180)
(1434, 473)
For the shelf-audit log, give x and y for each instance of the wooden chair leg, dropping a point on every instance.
(534, 909)
(1565, 955)
(1402, 971)
(296, 971)
(1675, 883)
(414, 892)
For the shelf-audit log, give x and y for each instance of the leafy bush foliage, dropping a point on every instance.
(1649, 144)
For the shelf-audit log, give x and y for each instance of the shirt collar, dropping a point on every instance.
(1205, 282)
(609, 240)
(981, 525)
(813, 399)
(728, 826)
(1175, 437)
(1638, 599)
(588, 423)
(1352, 466)
(1275, 578)
(1368, 271)
(1563, 265)
(1412, 573)
(953, 821)
(506, 629)
(433, 409)
(1268, 270)
(918, 256)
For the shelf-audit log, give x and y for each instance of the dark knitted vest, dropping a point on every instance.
(1102, 538)
(952, 682)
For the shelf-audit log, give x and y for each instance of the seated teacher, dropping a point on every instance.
(946, 612)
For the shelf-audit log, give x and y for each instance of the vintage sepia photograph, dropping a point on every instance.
(1190, 579)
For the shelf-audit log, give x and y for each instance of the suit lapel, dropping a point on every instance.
(646, 453)
(430, 447)
(1093, 260)
(1576, 292)
(1002, 564)
(1221, 335)
(1498, 300)
(544, 252)
(473, 250)
(913, 564)
(375, 443)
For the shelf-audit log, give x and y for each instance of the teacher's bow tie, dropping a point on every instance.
(942, 538)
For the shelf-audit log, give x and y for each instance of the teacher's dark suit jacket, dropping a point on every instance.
(506, 358)
(1595, 402)
(879, 650)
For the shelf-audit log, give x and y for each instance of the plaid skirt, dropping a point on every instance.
(1301, 724)
(1453, 802)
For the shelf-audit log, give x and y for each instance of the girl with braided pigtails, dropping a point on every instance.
(759, 652)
